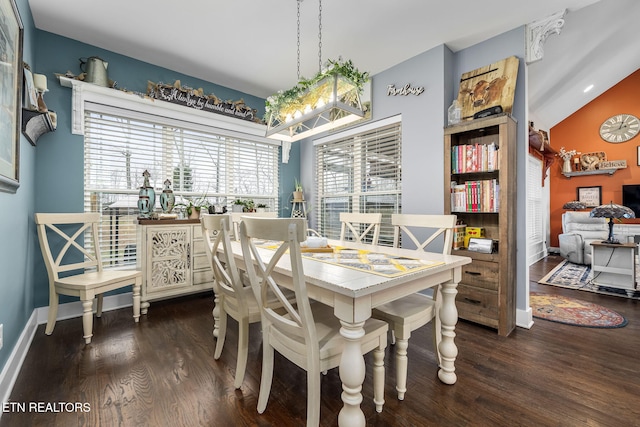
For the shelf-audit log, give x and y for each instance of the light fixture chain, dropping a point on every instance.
(320, 35)
(299, 1)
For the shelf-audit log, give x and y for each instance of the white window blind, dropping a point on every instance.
(360, 173)
(535, 205)
(199, 162)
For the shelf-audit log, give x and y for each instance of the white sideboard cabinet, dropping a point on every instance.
(172, 258)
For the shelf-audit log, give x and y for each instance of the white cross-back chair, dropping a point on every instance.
(413, 311)
(231, 297)
(360, 225)
(236, 217)
(62, 242)
(309, 333)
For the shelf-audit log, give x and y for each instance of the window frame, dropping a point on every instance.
(358, 188)
(87, 97)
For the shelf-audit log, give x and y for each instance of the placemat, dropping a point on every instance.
(364, 260)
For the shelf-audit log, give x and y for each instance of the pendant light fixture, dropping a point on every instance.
(328, 100)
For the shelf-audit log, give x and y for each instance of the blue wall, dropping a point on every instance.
(59, 159)
(17, 247)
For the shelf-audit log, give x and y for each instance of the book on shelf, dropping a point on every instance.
(469, 158)
(475, 196)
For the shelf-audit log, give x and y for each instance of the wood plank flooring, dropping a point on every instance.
(161, 372)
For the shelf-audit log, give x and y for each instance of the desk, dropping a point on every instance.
(353, 293)
(614, 265)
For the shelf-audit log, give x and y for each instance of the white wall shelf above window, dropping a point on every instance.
(87, 92)
(593, 172)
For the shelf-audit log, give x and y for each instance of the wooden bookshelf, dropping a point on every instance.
(487, 291)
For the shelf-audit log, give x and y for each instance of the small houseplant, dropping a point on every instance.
(249, 205)
(261, 207)
(243, 205)
(298, 194)
(238, 205)
(193, 206)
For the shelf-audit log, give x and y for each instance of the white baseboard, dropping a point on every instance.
(16, 358)
(524, 318)
(39, 316)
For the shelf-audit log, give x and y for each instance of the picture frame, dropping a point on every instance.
(11, 77)
(590, 196)
(489, 86)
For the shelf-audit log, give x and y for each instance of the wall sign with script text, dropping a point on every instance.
(195, 98)
(405, 90)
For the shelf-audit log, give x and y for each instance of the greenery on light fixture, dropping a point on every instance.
(287, 102)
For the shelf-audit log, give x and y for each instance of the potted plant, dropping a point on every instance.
(193, 206)
(261, 207)
(238, 206)
(249, 206)
(298, 194)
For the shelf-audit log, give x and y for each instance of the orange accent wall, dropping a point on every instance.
(580, 132)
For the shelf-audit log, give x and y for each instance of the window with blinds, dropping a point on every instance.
(200, 162)
(360, 173)
(535, 210)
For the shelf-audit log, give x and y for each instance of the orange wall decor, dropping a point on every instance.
(581, 132)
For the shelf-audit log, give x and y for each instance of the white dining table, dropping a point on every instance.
(353, 293)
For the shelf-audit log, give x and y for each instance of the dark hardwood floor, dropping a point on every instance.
(161, 372)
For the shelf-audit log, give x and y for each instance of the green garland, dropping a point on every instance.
(346, 69)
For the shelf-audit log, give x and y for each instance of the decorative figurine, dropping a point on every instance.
(167, 198)
(146, 197)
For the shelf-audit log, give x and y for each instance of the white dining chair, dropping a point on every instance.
(231, 297)
(307, 334)
(236, 218)
(65, 249)
(409, 313)
(360, 226)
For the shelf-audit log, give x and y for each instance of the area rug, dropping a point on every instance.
(571, 311)
(577, 276)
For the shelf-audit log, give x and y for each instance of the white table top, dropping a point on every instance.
(356, 283)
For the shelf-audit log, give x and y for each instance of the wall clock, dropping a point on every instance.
(620, 128)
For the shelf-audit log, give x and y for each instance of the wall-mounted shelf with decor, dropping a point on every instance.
(593, 172)
(35, 124)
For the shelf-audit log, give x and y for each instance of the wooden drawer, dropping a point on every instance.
(201, 262)
(481, 274)
(203, 276)
(198, 247)
(477, 305)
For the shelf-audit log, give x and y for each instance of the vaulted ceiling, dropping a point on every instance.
(251, 45)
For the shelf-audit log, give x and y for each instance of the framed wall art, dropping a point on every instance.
(488, 86)
(590, 196)
(11, 72)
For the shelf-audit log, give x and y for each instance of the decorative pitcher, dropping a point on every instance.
(96, 70)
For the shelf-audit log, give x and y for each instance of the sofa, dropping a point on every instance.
(578, 231)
